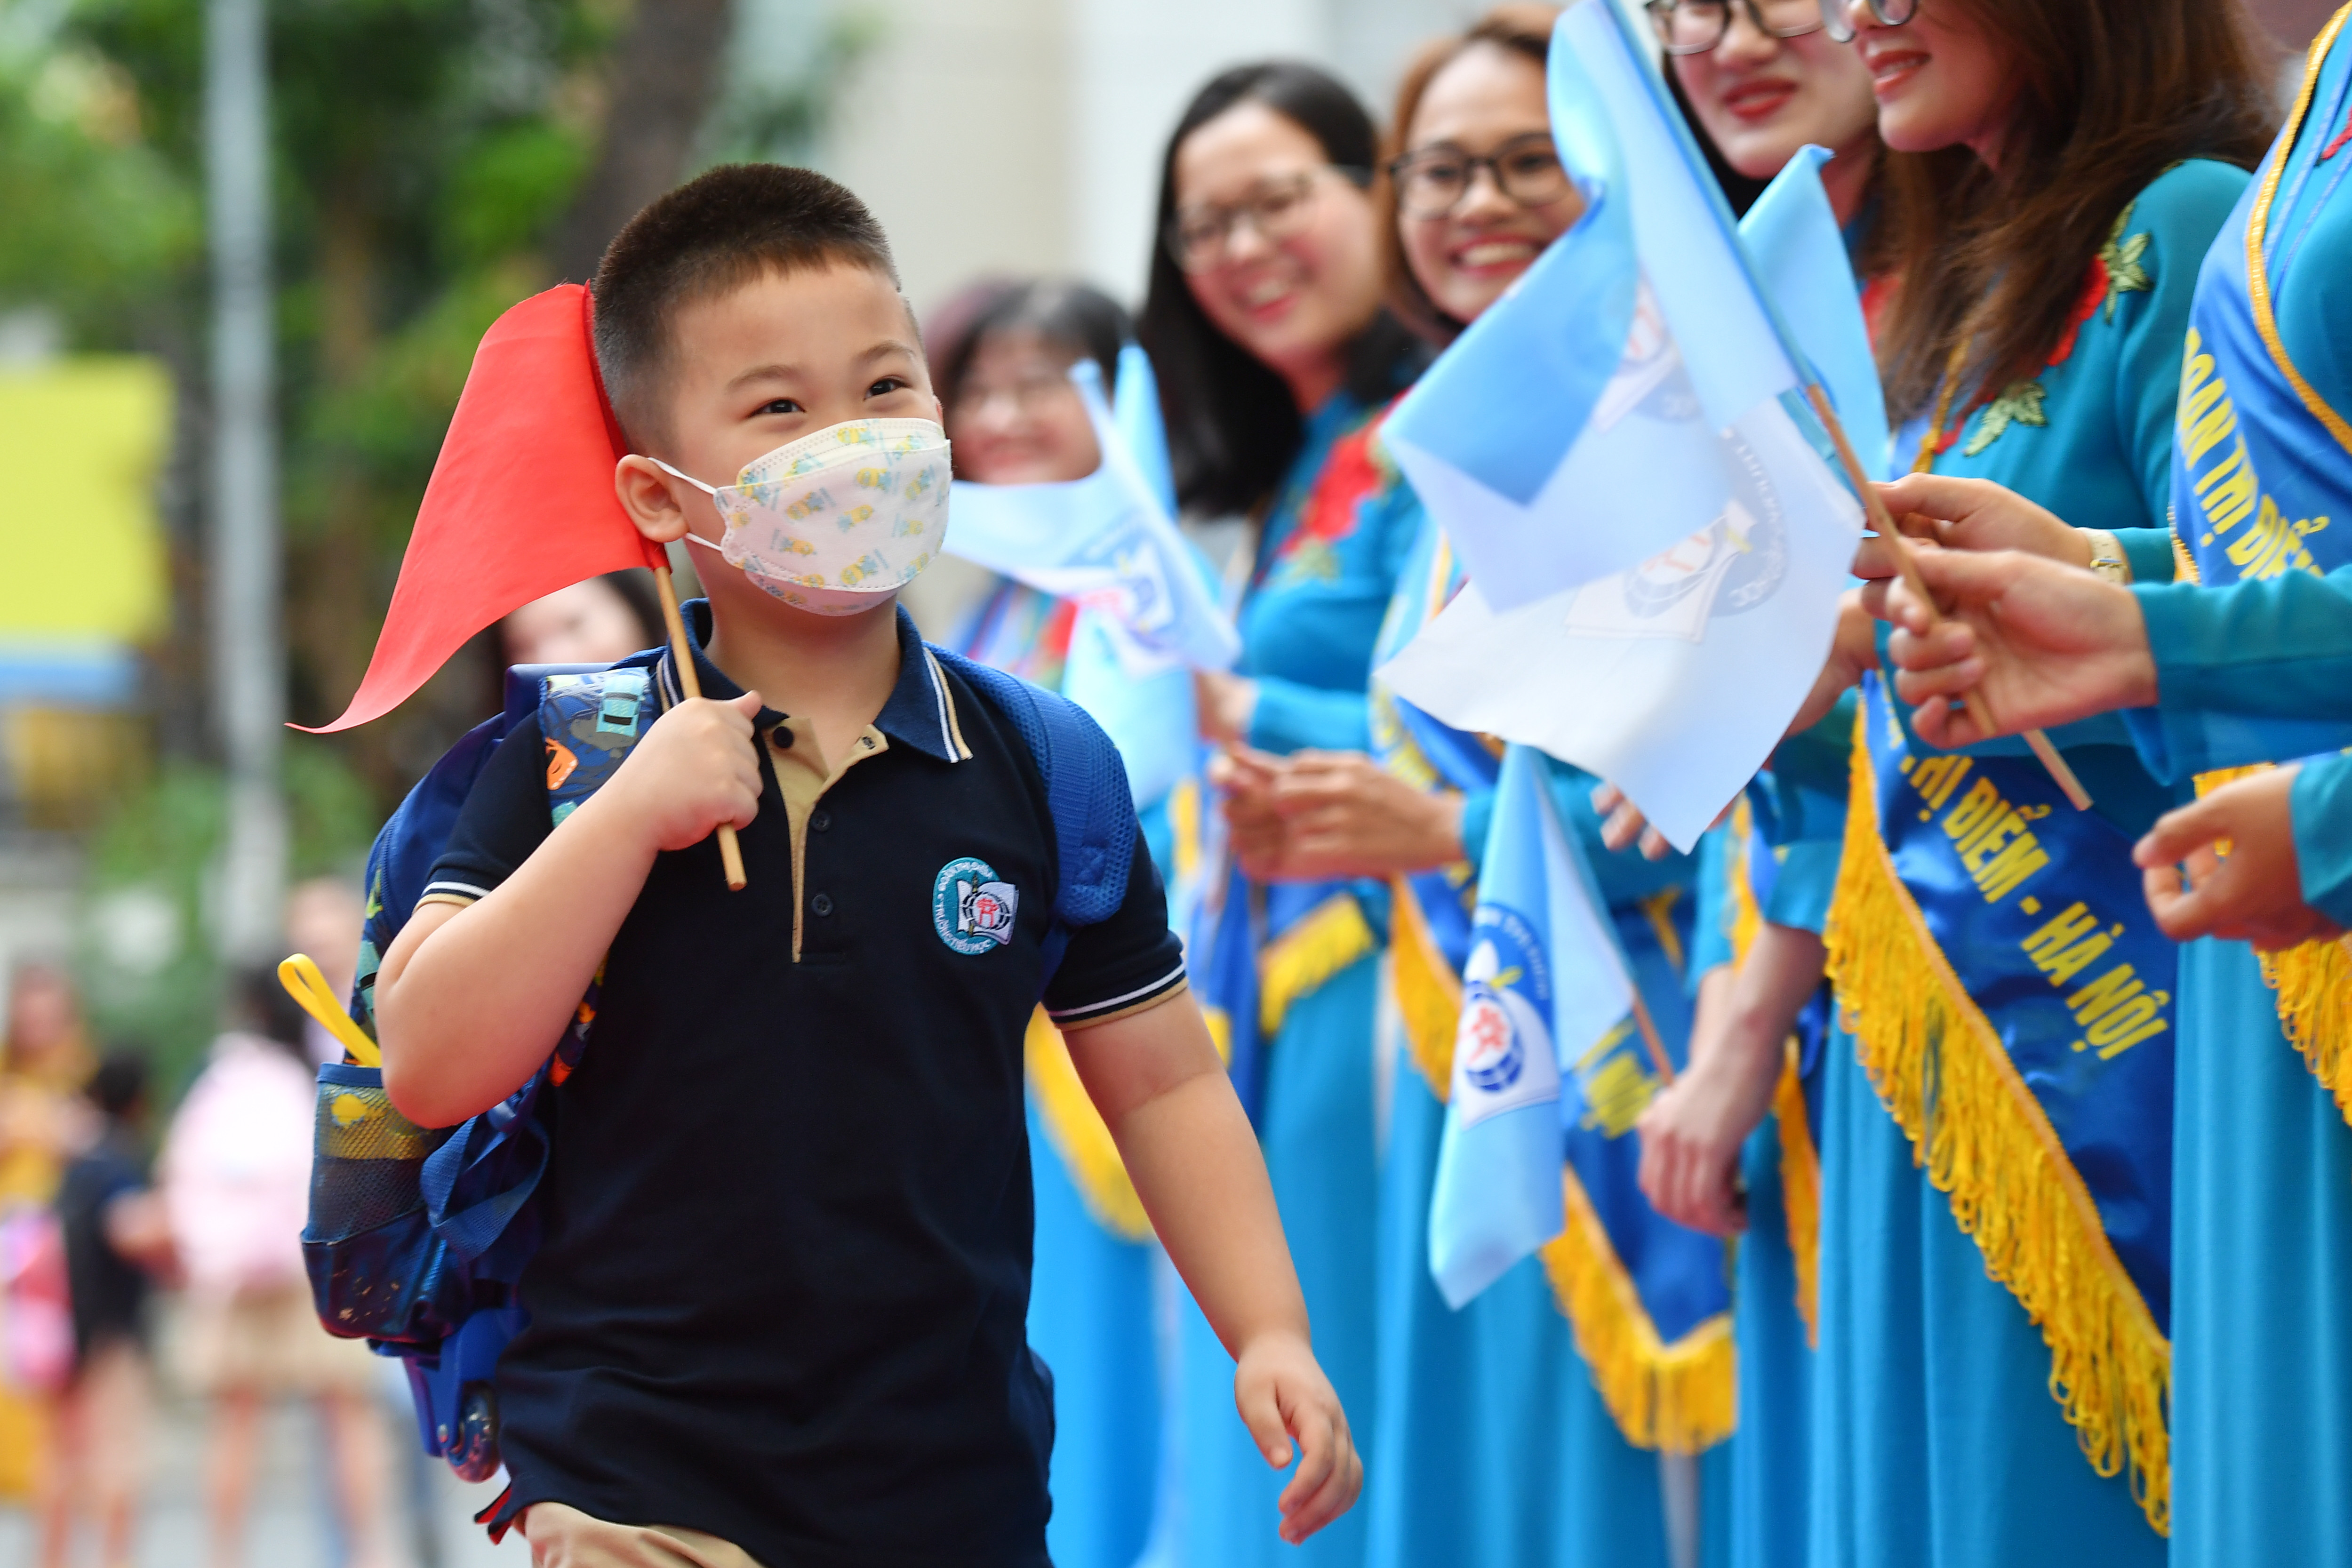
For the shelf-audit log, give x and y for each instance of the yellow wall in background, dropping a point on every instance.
(81, 441)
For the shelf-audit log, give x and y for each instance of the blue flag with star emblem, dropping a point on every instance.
(1543, 984)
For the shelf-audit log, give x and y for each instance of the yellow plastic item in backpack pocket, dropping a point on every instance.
(299, 974)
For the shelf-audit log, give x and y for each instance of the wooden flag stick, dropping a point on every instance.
(730, 853)
(1884, 526)
(1649, 1027)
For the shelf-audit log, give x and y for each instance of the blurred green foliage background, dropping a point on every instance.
(435, 161)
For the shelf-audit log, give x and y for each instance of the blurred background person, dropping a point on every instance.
(44, 1061)
(235, 1174)
(117, 1240)
(598, 621)
(1274, 357)
(1000, 354)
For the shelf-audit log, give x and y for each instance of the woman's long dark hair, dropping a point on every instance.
(1232, 426)
(2110, 94)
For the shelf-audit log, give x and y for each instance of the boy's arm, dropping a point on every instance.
(471, 999)
(1156, 1077)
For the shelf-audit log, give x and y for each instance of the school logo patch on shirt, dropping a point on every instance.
(971, 910)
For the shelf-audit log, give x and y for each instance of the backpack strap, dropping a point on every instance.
(591, 718)
(1086, 796)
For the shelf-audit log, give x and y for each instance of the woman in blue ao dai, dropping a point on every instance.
(2074, 163)
(1002, 365)
(1264, 323)
(1763, 84)
(1505, 1452)
(2250, 665)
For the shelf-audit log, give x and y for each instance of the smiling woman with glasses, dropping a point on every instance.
(1274, 209)
(1264, 323)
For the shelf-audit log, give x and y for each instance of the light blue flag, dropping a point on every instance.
(1544, 982)
(1791, 236)
(1579, 427)
(1106, 541)
(1673, 675)
(1135, 409)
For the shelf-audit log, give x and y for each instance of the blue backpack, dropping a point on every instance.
(416, 1236)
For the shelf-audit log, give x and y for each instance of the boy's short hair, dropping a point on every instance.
(713, 234)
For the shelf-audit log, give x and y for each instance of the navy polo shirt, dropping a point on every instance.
(788, 1216)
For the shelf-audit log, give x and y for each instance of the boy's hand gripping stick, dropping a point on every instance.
(730, 853)
(1884, 526)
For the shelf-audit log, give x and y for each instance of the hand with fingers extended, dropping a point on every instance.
(1343, 815)
(1622, 824)
(2044, 644)
(1938, 512)
(1244, 781)
(2226, 866)
(1291, 1411)
(698, 767)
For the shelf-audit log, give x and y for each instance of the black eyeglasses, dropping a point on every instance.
(1885, 13)
(1696, 26)
(1432, 182)
(1277, 208)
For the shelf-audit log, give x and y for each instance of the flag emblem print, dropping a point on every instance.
(971, 908)
(1502, 1054)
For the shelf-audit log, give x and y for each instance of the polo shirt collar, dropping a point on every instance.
(920, 712)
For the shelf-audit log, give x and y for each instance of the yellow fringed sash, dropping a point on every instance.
(1428, 992)
(1801, 1190)
(1989, 1146)
(1078, 1133)
(1747, 916)
(1324, 941)
(2313, 983)
(1681, 1397)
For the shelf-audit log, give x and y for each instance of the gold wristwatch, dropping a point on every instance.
(2108, 558)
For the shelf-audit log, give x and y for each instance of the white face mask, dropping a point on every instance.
(839, 520)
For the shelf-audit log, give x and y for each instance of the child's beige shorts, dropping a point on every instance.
(563, 1537)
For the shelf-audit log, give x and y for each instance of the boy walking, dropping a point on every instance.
(777, 1314)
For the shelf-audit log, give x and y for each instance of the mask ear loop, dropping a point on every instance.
(710, 490)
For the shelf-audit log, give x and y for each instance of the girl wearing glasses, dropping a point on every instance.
(1264, 321)
(1995, 1262)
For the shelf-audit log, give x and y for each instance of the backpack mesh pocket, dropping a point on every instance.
(377, 1271)
(363, 1169)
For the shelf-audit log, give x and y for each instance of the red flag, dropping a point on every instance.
(520, 501)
